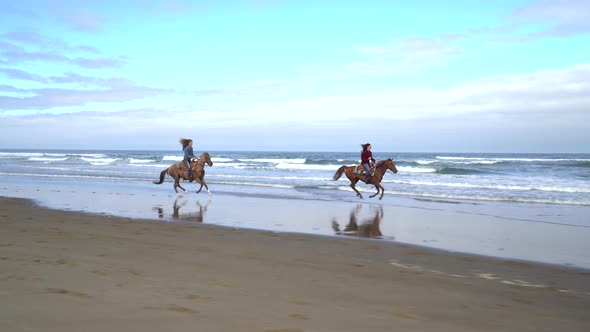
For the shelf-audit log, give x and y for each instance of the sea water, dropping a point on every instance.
(559, 179)
(523, 191)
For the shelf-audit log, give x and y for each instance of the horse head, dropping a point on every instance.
(391, 165)
(207, 158)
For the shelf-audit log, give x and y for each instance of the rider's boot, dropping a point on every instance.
(190, 176)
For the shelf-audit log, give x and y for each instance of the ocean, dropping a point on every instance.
(559, 179)
(521, 206)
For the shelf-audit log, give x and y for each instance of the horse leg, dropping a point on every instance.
(206, 187)
(379, 188)
(353, 186)
(177, 184)
(203, 183)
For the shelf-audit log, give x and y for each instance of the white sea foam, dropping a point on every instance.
(493, 199)
(71, 176)
(264, 177)
(512, 159)
(471, 197)
(100, 161)
(174, 158)
(307, 166)
(448, 161)
(221, 159)
(20, 154)
(494, 187)
(275, 160)
(45, 159)
(150, 165)
(91, 155)
(141, 161)
(409, 169)
(254, 184)
(234, 165)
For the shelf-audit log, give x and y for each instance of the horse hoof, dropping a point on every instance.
(186, 191)
(208, 192)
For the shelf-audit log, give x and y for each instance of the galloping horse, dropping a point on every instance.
(197, 168)
(380, 169)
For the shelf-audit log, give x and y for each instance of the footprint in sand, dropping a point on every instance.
(299, 316)
(100, 272)
(197, 297)
(299, 302)
(67, 292)
(173, 307)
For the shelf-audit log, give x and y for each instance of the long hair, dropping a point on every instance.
(365, 146)
(184, 142)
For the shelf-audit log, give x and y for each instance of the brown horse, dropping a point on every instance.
(380, 169)
(177, 172)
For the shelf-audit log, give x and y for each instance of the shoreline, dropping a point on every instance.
(516, 232)
(189, 222)
(71, 271)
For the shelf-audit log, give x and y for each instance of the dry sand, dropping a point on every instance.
(65, 271)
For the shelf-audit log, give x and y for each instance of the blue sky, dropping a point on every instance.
(444, 76)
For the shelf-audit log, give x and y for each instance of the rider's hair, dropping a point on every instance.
(185, 142)
(365, 146)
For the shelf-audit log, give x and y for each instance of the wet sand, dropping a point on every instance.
(70, 271)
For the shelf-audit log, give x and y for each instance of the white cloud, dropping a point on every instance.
(531, 107)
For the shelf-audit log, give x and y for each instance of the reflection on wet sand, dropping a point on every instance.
(367, 227)
(187, 213)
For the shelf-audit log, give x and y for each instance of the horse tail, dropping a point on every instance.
(162, 175)
(338, 173)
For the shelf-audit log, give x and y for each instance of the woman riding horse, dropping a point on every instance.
(380, 169)
(197, 171)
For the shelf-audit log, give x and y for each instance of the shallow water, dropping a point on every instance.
(547, 233)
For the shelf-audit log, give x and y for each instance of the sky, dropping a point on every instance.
(281, 75)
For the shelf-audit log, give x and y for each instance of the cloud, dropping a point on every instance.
(41, 99)
(82, 20)
(22, 75)
(548, 18)
(404, 56)
(561, 18)
(18, 57)
(541, 97)
(27, 12)
(69, 77)
(39, 48)
(538, 111)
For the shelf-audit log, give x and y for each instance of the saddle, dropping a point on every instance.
(182, 166)
(360, 170)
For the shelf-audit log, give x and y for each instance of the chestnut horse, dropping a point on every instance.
(380, 169)
(176, 171)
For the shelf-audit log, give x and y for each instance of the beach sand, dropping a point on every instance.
(70, 271)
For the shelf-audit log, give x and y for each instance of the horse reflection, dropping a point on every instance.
(195, 216)
(368, 227)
